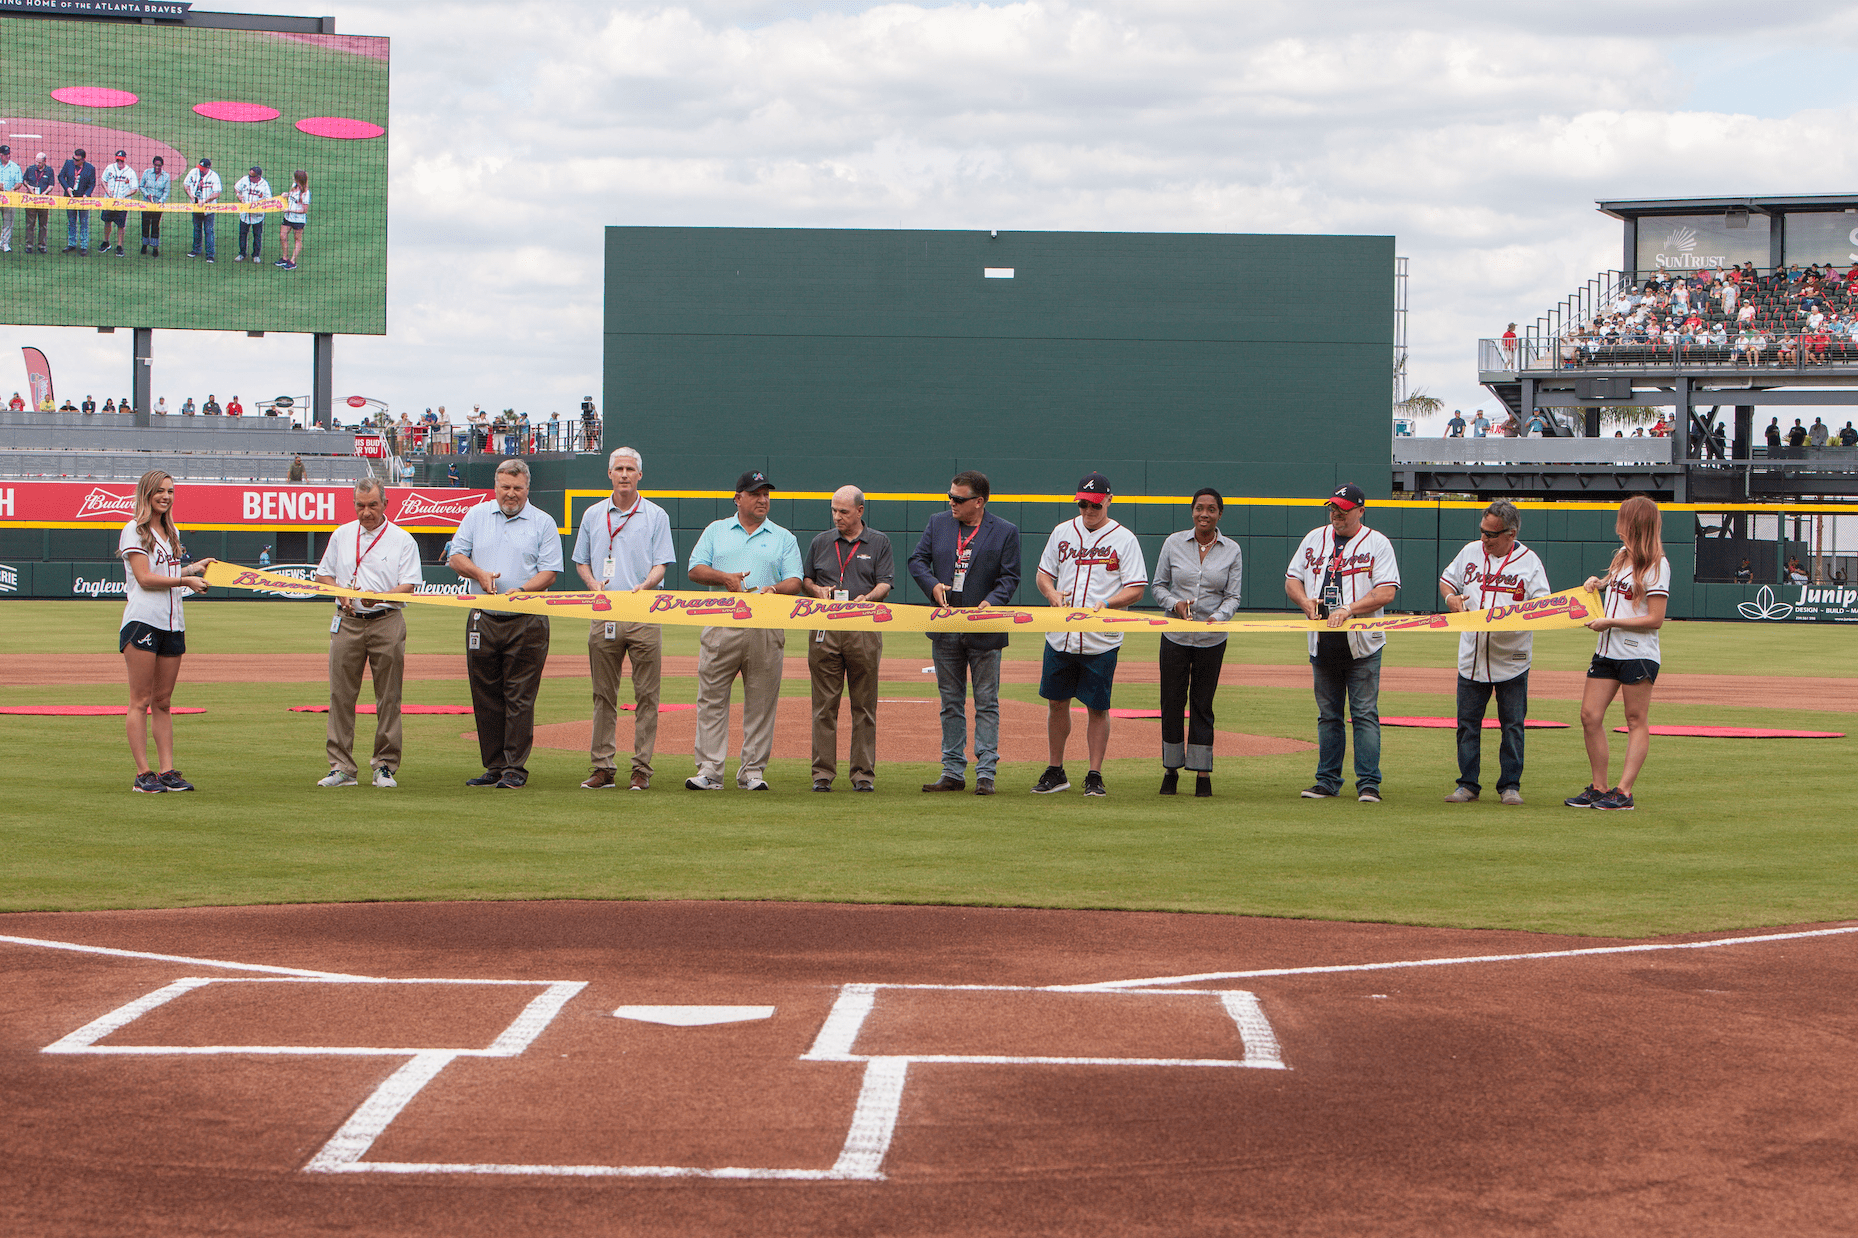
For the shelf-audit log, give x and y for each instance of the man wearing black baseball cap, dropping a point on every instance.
(1344, 570)
(744, 553)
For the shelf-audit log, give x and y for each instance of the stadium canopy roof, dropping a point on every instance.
(1776, 204)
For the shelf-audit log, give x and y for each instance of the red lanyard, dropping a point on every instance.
(361, 554)
(611, 533)
(961, 545)
(843, 560)
(1484, 586)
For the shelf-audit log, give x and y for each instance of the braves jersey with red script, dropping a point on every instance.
(1366, 562)
(1091, 568)
(1484, 581)
(158, 608)
(1613, 642)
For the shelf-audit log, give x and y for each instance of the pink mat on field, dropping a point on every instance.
(94, 96)
(339, 127)
(663, 709)
(1738, 732)
(80, 711)
(368, 709)
(1490, 724)
(239, 113)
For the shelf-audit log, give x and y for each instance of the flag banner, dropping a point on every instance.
(1570, 609)
(38, 376)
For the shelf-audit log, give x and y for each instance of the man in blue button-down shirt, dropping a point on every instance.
(157, 183)
(506, 546)
(746, 553)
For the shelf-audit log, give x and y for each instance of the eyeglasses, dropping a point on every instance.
(1088, 506)
(958, 499)
(1487, 534)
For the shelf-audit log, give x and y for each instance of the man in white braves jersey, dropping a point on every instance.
(1495, 570)
(1090, 561)
(1341, 571)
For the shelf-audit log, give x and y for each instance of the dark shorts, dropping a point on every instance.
(294, 227)
(162, 644)
(115, 217)
(1084, 677)
(1625, 670)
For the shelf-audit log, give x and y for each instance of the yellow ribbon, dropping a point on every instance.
(1570, 609)
(51, 201)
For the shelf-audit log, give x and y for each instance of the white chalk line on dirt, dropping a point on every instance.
(177, 958)
(1642, 948)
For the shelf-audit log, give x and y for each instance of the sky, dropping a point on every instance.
(1478, 135)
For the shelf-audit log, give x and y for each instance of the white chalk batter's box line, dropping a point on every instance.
(867, 1139)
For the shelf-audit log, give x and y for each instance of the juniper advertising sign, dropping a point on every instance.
(1810, 604)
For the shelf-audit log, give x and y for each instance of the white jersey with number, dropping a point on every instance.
(158, 608)
(1619, 644)
(1366, 563)
(1091, 568)
(1494, 657)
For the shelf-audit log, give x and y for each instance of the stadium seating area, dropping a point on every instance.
(105, 447)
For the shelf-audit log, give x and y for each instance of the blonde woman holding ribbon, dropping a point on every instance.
(156, 577)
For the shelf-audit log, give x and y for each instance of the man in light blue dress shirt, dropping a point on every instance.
(745, 553)
(506, 545)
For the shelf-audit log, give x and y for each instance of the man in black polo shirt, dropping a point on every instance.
(847, 563)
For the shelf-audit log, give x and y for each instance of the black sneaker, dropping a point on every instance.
(1614, 801)
(1203, 788)
(147, 784)
(120, 253)
(512, 781)
(1368, 795)
(1318, 792)
(485, 779)
(209, 257)
(172, 780)
(83, 253)
(1586, 799)
(193, 253)
(1051, 780)
(1170, 782)
(144, 247)
(1093, 783)
(280, 263)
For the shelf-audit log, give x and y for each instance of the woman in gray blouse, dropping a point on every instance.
(1198, 577)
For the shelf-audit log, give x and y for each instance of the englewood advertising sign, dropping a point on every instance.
(1700, 243)
(83, 504)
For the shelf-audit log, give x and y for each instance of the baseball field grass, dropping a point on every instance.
(1729, 834)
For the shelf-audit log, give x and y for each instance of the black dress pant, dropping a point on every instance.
(1189, 677)
(504, 655)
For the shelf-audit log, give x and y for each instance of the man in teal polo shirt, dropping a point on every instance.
(746, 553)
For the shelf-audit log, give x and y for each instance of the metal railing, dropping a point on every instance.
(570, 435)
(1791, 352)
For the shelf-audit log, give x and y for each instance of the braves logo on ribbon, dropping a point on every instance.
(719, 605)
(806, 608)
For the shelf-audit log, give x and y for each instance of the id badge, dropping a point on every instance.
(961, 579)
(819, 638)
(612, 630)
(471, 641)
(335, 623)
(607, 574)
(841, 595)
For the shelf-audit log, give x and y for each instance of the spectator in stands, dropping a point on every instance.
(451, 475)
(1455, 427)
(1538, 424)
(1718, 339)
(1661, 428)
(1480, 425)
(187, 407)
(1509, 346)
(122, 405)
(234, 408)
(161, 406)
(297, 471)
(1848, 437)
(1796, 437)
(1796, 571)
(66, 407)
(1786, 350)
(211, 407)
(1744, 574)
(264, 557)
(16, 404)
(1818, 434)
(90, 405)
(109, 405)
(45, 405)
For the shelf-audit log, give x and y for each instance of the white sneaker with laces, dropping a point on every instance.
(700, 783)
(756, 784)
(384, 777)
(337, 778)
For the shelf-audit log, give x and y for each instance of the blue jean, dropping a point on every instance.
(1360, 681)
(955, 664)
(77, 229)
(204, 227)
(1512, 708)
(256, 233)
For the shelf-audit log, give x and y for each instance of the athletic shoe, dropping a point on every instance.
(700, 783)
(1203, 788)
(820, 784)
(600, 780)
(485, 779)
(210, 258)
(640, 782)
(983, 786)
(120, 253)
(1170, 782)
(1051, 780)
(290, 266)
(1093, 783)
(172, 780)
(1369, 795)
(1585, 799)
(337, 778)
(757, 784)
(83, 253)
(280, 263)
(148, 784)
(193, 253)
(67, 249)
(1512, 797)
(1318, 792)
(384, 777)
(864, 786)
(238, 257)
(1463, 795)
(1614, 801)
(144, 250)
(512, 781)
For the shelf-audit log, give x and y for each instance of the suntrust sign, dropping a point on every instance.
(1699, 243)
(76, 505)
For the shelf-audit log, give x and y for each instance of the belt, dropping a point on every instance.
(373, 614)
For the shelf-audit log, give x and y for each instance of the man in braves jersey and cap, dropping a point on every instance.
(1090, 561)
(1341, 571)
(1495, 570)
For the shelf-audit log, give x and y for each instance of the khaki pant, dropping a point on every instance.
(377, 642)
(722, 654)
(644, 644)
(842, 662)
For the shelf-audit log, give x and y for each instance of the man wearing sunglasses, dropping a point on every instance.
(1090, 561)
(1495, 570)
(968, 557)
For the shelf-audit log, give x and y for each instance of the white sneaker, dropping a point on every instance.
(384, 777)
(700, 783)
(756, 784)
(337, 778)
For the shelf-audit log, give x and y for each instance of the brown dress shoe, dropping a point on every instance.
(983, 786)
(947, 784)
(602, 780)
(641, 782)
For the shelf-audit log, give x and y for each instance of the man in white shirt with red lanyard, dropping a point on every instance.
(1090, 561)
(624, 543)
(1341, 571)
(371, 553)
(1495, 570)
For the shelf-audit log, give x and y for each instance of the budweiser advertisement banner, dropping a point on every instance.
(201, 505)
(1570, 609)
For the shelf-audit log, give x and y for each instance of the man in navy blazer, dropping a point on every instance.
(968, 558)
(79, 180)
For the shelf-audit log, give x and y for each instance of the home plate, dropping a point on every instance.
(694, 1016)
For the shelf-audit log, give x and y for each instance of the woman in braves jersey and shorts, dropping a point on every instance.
(154, 635)
(1634, 590)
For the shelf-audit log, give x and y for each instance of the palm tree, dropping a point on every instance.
(1419, 404)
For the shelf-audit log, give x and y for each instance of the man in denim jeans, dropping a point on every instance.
(1345, 570)
(968, 557)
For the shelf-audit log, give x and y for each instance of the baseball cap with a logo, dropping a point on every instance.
(754, 479)
(1094, 488)
(1348, 497)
